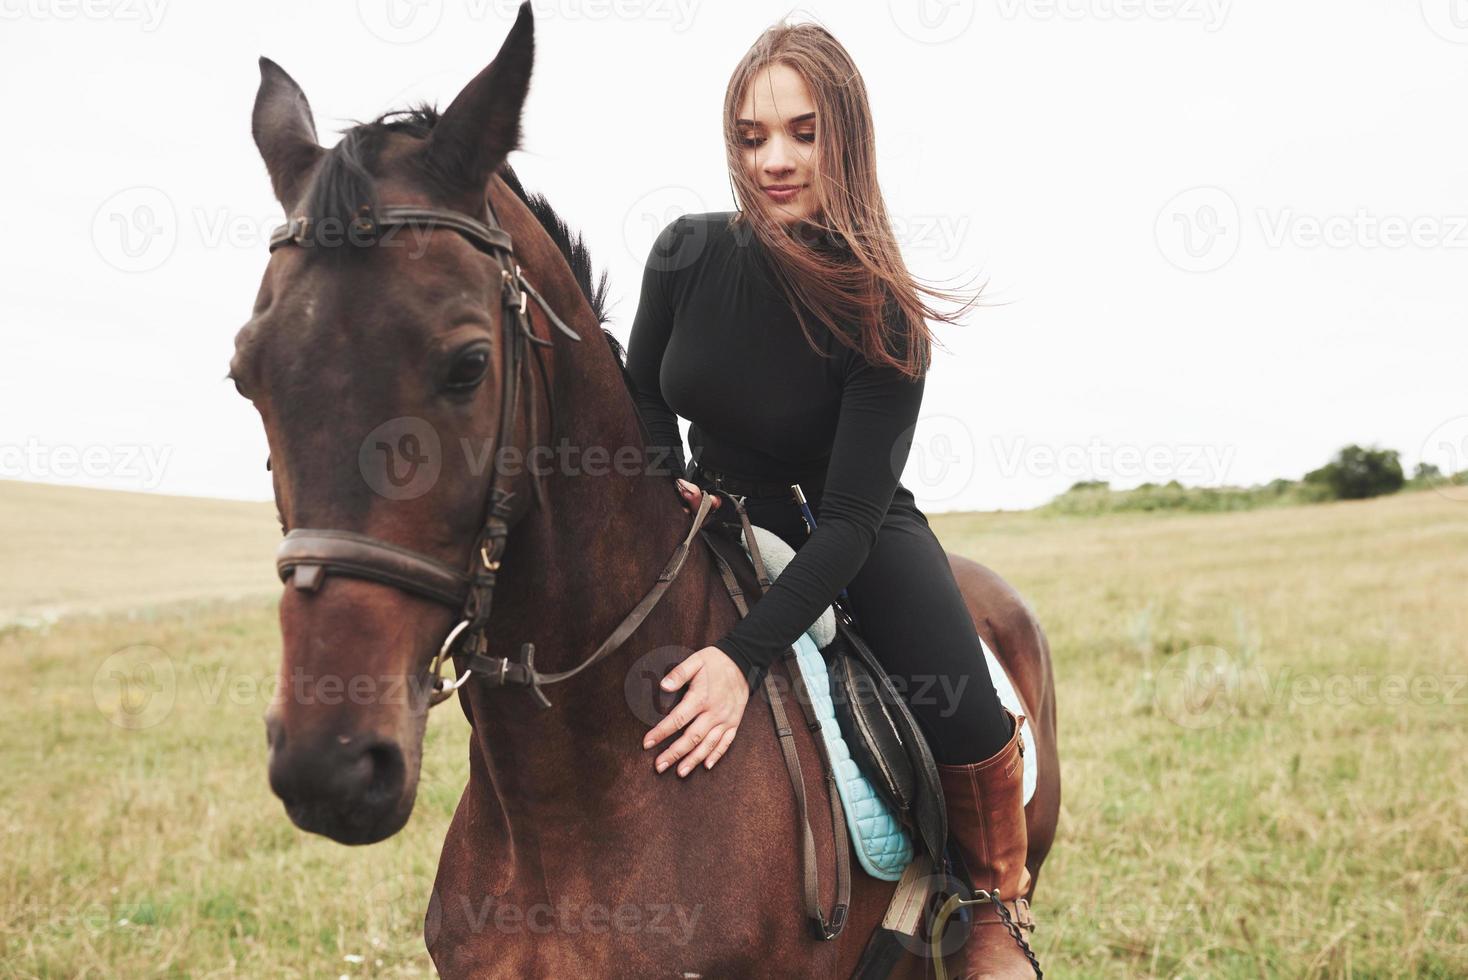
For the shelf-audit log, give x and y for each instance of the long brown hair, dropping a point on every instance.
(863, 281)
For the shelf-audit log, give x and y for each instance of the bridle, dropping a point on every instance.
(307, 555)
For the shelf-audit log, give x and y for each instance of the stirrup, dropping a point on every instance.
(1022, 919)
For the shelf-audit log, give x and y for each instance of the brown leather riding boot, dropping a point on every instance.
(986, 820)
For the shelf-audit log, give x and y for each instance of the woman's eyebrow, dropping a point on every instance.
(804, 117)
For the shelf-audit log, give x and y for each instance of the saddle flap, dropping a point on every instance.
(870, 732)
(890, 739)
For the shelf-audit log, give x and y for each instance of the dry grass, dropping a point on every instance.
(74, 550)
(1250, 791)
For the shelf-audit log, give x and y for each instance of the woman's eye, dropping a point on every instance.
(469, 369)
(750, 141)
(806, 137)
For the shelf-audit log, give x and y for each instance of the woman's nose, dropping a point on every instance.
(777, 161)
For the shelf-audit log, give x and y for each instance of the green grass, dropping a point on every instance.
(141, 837)
(1247, 794)
(75, 550)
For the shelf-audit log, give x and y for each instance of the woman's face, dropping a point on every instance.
(776, 128)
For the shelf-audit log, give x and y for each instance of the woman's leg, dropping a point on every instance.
(911, 613)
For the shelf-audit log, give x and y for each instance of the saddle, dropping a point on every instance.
(884, 738)
(880, 732)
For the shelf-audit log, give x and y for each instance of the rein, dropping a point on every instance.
(307, 555)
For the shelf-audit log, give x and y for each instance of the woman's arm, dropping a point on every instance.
(651, 328)
(879, 410)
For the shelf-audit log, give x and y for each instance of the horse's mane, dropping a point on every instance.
(344, 184)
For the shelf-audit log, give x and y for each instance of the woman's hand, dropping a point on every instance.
(692, 494)
(712, 707)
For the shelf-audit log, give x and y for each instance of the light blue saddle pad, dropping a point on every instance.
(882, 844)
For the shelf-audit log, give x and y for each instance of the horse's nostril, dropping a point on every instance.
(335, 772)
(386, 767)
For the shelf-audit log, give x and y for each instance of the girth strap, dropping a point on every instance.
(825, 928)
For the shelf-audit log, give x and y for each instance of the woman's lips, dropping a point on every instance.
(781, 195)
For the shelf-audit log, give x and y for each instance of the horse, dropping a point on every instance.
(395, 318)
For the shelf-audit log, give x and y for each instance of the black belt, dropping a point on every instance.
(742, 486)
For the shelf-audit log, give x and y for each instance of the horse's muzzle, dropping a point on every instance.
(347, 788)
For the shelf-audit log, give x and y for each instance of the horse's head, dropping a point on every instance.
(386, 355)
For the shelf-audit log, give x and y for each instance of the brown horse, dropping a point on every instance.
(380, 374)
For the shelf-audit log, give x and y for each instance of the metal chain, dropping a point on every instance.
(1013, 928)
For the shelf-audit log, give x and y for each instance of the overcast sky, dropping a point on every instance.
(1222, 239)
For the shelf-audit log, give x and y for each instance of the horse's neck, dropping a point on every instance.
(572, 572)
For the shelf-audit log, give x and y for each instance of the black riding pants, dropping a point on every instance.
(909, 610)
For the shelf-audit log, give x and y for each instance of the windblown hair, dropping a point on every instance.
(859, 287)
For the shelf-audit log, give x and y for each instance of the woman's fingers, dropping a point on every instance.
(711, 706)
(687, 742)
(693, 494)
(717, 752)
(683, 712)
(705, 746)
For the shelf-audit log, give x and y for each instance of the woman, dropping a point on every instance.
(793, 337)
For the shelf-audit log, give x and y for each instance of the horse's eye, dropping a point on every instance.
(469, 369)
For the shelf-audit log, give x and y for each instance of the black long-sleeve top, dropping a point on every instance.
(716, 341)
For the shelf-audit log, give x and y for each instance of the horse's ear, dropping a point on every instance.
(482, 125)
(284, 132)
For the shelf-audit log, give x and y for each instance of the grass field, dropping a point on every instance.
(1264, 728)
